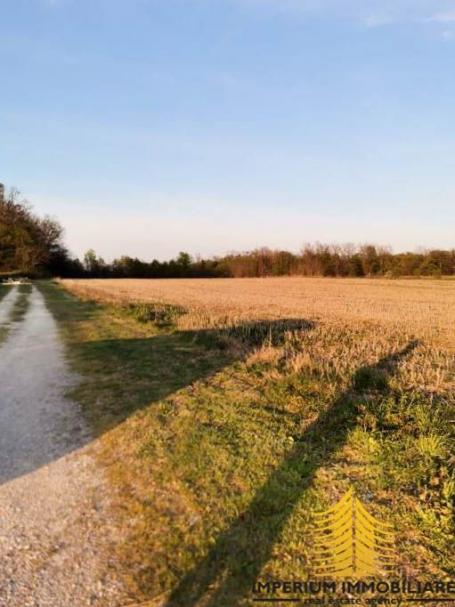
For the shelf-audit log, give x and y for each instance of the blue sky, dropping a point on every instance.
(152, 126)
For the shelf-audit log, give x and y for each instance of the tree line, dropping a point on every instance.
(312, 260)
(34, 246)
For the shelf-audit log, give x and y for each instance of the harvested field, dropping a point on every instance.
(426, 307)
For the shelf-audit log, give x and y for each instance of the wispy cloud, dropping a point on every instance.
(53, 3)
(371, 13)
(444, 17)
(377, 20)
(446, 21)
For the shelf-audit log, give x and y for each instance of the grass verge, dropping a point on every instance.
(19, 309)
(221, 443)
(3, 329)
(21, 305)
(3, 291)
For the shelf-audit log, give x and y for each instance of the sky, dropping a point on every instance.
(148, 127)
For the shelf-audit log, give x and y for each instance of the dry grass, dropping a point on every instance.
(425, 308)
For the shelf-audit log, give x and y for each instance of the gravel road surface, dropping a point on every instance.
(55, 528)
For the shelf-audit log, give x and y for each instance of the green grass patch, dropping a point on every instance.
(19, 309)
(3, 329)
(22, 303)
(3, 334)
(3, 291)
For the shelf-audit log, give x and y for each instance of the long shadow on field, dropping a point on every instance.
(156, 367)
(234, 563)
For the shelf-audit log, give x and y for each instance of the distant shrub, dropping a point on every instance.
(158, 313)
(267, 332)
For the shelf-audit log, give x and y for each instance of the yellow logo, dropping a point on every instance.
(350, 542)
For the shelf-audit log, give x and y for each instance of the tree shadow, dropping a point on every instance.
(154, 368)
(226, 575)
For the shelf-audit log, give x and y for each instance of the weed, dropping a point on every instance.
(161, 314)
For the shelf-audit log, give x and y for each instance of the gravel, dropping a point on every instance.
(56, 533)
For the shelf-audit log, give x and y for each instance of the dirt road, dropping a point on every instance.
(55, 532)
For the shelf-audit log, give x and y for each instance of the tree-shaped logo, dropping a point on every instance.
(350, 542)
